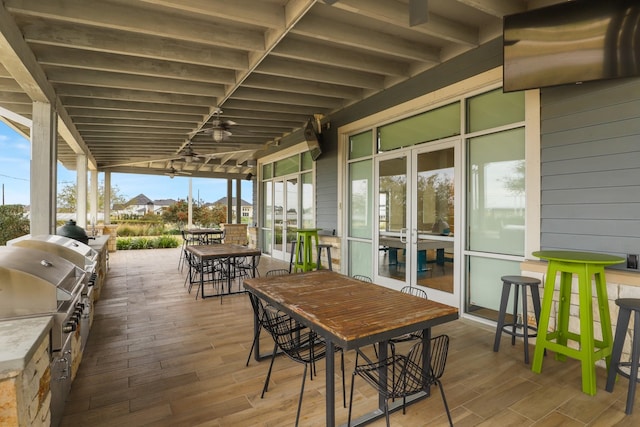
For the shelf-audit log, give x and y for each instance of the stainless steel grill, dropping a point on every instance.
(37, 283)
(83, 256)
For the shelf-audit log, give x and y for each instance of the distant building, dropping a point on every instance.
(246, 208)
(141, 205)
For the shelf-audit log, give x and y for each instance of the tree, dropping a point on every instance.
(13, 223)
(178, 213)
(67, 197)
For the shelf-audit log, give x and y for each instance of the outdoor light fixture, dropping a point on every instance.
(218, 135)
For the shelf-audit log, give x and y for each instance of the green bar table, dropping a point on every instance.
(584, 265)
(305, 236)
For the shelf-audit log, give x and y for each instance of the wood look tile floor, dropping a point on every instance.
(156, 356)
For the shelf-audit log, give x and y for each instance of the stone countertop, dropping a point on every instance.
(98, 242)
(19, 338)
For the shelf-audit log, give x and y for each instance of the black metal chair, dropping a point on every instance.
(256, 337)
(416, 292)
(405, 375)
(296, 341)
(277, 272)
(186, 241)
(244, 266)
(196, 269)
(217, 239)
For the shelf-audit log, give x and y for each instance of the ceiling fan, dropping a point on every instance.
(189, 155)
(172, 171)
(219, 129)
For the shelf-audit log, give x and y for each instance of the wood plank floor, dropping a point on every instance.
(158, 357)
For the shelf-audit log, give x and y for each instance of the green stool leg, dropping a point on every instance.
(545, 314)
(586, 333)
(298, 262)
(564, 307)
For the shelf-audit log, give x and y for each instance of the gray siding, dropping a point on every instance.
(326, 187)
(590, 180)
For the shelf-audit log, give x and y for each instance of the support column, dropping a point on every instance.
(93, 199)
(190, 208)
(238, 201)
(107, 198)
(229, 201)
(44, 172)
(81, 190)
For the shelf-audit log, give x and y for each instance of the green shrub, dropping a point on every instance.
(13, 222)
(123, 243)
(129, 243)
(125, 230)
(167, 242)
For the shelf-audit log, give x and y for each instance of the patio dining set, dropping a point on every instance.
(210, 261)
(314, 314)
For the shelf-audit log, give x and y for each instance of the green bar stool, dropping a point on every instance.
(585, 265)
(304, 261)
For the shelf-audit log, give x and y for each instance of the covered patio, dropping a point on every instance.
(156, 356)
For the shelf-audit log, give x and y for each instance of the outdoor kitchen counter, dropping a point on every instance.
(19, 339)
(100, 244)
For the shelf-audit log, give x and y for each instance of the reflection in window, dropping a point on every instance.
(496, 201)
(435, 207)
(307, 200)
(361, 190)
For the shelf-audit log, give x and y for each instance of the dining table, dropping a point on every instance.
(206, 236)
(349, 314)
(226, 252)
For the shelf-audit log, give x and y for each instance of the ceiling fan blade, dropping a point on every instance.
(203, 130)
(418, 12)
(330, 2)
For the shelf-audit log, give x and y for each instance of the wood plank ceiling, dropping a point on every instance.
(134, 79)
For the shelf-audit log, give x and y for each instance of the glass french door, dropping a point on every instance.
(286, 203)
(416, 208)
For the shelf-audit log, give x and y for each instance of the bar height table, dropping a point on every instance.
(585, 265)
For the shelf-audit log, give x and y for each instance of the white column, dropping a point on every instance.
(238, 201)
(44, 173)
(93, 199)
(81, 188)
(190, 209)
(107, 197)
(229, 201)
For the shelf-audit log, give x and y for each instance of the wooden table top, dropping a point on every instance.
(205, 231)
(347, 311)
(222, 250)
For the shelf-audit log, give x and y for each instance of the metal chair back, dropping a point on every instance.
(412, 290)
(277, 272)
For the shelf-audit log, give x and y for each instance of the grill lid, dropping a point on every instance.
(83, 256)
(70, 229)
(33, 281)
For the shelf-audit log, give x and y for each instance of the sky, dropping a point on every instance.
(15, 155)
